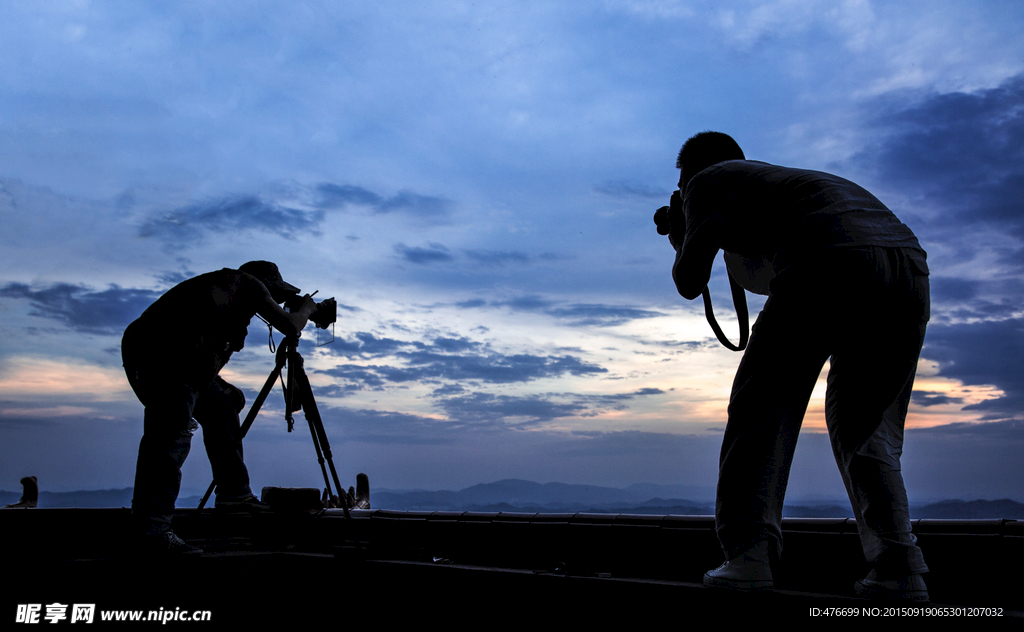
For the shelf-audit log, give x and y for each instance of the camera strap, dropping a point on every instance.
(739, 301)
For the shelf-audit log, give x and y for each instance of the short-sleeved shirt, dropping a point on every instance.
(196, 325)
(763, 212)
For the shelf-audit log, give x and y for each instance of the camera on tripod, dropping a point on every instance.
(325, 315)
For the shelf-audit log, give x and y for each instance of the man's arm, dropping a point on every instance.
(288, 323)
(692, 268)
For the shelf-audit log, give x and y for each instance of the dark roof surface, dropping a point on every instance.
(399, 564)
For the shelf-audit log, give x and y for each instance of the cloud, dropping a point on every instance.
(83, 309)
(33, 377)
(434, 253)
(530, 303)
(487, 407)
(961, 153)
(971, 299)
(576, 314)
(620, 189)
(232, 214)
(498, 368)
(929, 398)
(490, 368)
(339, 195)
(337, 390)
(385, 427)
(446, 358)
(496, 257)
(592, 314)
(423, 206)
(987, 352)
(437, 253)
(367, 345)
(1009, 430)
(333, 196)
(174, 277)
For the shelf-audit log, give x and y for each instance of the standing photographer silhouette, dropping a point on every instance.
(172, 355)
(846, 281)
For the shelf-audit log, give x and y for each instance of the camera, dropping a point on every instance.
(670, 219)
(325, 315)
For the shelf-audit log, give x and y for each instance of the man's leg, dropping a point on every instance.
(869, 389)
(870, 466)
(874, 480)
(217, 411)
(769, 397)
(166, 440)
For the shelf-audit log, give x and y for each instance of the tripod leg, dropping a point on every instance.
(253, 411)
(316, 424)
(319, 453)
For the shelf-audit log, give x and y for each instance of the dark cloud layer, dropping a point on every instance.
(83, 309)
(526, 410)
(496, 257)
(230, 214)
(1005, 432)
(366, 345)
(983, 353)
(386, 427)
(929, 398)
(453, 363)
(439, 253)
(962, 154)
(241, 213)
(490, 368)
(957, 160)
(333, 196)
(433, 253)
(486, 407)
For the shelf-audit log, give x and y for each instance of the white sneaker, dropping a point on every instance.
(747, 571)
(910, 588)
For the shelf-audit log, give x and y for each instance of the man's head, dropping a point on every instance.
(703, 150)
(268, 273)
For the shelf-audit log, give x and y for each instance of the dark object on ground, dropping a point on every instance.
(292, 498)
(362, 494)
(29, 495)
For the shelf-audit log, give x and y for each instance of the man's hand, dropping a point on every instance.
(671, 221)
(300, 315)
(289, 323)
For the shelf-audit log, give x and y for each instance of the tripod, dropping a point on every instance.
(298, 395)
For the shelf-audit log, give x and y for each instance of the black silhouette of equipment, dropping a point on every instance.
(298, 395)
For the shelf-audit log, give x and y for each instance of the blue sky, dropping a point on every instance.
(475, 183)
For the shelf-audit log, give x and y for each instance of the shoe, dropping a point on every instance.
(746, 571)
(240, 503)
(908, 588)
(166, 544)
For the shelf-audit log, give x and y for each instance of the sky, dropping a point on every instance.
(474, 183)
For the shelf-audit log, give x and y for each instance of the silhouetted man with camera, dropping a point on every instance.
(846, 281)
(172, 355)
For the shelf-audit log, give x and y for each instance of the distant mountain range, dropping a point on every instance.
(515, 495)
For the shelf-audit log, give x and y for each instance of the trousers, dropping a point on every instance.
(171, 404)
(865, 309)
